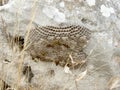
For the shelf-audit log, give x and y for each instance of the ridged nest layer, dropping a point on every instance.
(58, 44)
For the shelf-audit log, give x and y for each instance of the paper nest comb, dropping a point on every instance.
(57, 44)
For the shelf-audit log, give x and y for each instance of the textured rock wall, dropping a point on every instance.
(102, 64)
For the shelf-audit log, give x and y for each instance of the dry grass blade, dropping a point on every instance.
(114, 82)
(4, 28)
(33, 11)
(72, 59)
(81, 75)
(81, 62)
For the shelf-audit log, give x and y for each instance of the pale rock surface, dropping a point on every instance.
(101, 65)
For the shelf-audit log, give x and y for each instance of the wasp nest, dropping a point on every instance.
(59, 44)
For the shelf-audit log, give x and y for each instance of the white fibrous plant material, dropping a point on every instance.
(49, 1)
(62, 4)
(67, 70)
(91, 2)
(54, 14)
(106, 11)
